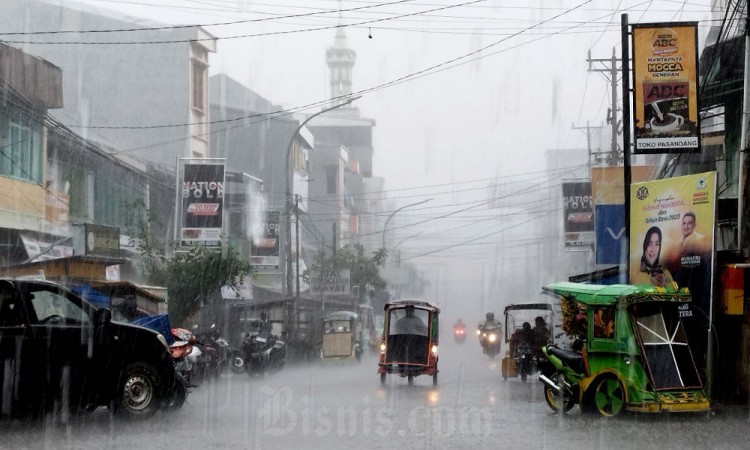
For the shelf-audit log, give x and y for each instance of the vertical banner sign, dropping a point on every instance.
(672, 240)
(202, 203)
(264, 250)
(578, 214)
(609, 210)
(665, 86)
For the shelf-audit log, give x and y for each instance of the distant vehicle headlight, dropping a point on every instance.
(434, 350)
(382, 347)
(492, 338)
(479, 332)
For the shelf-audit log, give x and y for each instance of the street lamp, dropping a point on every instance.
(289, 199)
(385, 227)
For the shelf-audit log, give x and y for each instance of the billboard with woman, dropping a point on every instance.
(671, 240)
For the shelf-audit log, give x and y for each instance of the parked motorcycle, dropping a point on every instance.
(183, 351)
(226, 355)
(263, 353)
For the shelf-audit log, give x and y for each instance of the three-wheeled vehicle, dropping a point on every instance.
(634, 351)
(410, 340)
(524, 347)
(341, 337)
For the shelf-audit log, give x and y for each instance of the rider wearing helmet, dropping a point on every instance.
(489, 322)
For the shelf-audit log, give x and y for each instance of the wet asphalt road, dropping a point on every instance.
(345, 406)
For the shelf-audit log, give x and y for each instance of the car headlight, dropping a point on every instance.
(492, 338)
(382, 347)
(479, 332)
(435, 349)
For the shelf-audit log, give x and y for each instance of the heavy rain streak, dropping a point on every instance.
(374, 223)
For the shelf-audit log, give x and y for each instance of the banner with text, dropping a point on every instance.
(264, 249)
(578, 214)
(671, 241)
(202, 202)
(665, 86)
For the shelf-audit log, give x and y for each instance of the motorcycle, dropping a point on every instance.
(459, 334)
(263, 353)
(525, 361)
(489, 338)
(183, 351)
(226, 355)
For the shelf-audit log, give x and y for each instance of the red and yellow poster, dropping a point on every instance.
(665, 86)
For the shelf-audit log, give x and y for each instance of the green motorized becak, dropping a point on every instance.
(632, 354)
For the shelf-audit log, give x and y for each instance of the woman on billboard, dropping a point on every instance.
(651, 271)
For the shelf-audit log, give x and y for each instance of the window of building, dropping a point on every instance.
(199, 84)
(22, 153)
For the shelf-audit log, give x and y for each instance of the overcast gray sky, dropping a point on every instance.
(486, 88)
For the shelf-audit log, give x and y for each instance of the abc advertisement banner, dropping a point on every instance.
(665, 87)
(578, 214)
(202, 203)
(671, 241)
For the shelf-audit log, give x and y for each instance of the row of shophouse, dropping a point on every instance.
(93, 135)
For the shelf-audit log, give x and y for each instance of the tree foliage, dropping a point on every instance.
(192, 276)
(363, 268)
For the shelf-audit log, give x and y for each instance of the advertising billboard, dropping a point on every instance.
(607, 190)
(665, 86)
(202, 208)
(264, 249)
(578, 213)
(672, 241)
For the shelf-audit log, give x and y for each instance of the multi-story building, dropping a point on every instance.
(142, 90)
(31, 215)
(255, 142)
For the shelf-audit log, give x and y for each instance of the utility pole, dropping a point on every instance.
(589, 129)
(743, 194)
(608, 68)
(296, 227)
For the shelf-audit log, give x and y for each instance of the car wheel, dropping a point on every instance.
(140, 391)
(434, 379)
(410, 379)
(609, 397)
(179, 394)
(553, 399)
(382, 378)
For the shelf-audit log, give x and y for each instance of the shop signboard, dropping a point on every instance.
(665, 87)
(578, 214)
(330, 282)
(202, 202)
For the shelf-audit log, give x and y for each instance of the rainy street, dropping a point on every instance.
(322, 407)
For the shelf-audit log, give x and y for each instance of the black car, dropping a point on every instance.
(60, 354)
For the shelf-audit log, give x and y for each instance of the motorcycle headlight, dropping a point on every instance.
(435, 349)
(492, 338)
